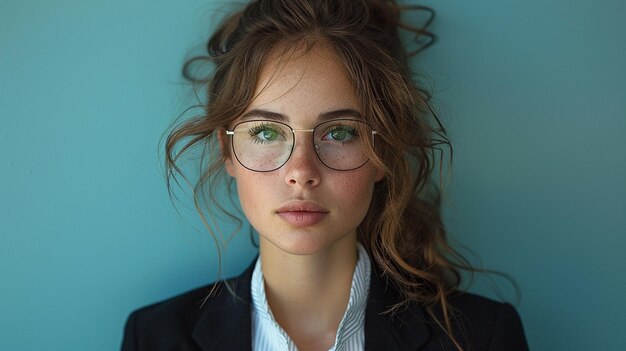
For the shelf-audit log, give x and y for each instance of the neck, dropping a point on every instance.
(308, 294)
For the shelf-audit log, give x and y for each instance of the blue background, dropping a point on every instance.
(533, 93)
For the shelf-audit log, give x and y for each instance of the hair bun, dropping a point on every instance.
(384, 13)
(387, 15)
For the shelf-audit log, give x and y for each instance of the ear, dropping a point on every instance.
(379, 174)
(223, 140)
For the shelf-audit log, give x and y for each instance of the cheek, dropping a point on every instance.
(254, 190)
(247, 188)
(356, 189)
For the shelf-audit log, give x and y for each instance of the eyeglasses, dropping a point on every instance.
(266, 145)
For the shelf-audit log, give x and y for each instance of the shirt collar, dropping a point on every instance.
(353, 319)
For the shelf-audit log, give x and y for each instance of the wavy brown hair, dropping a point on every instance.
(403, 230)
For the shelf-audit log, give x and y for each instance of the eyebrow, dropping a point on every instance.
(325, 116)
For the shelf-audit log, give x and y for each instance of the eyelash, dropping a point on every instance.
(354, 132)
(254, 131)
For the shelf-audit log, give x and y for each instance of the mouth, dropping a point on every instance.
(302, 214)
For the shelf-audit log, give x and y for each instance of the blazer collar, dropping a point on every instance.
(225, 320)
(408, 328)
(226, 323)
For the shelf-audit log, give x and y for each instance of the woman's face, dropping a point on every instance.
(303, 207)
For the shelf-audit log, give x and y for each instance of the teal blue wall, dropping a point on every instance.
(534, 93)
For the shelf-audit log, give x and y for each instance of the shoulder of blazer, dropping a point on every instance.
(211, 317)
(480, 323)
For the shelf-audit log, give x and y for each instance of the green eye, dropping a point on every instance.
(339, 134)
(268, 135)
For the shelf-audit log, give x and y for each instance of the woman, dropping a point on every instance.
(313, 113)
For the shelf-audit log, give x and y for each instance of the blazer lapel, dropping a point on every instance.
(225, 320)
(406, 329)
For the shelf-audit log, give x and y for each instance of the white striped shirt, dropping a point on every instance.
(267, 335)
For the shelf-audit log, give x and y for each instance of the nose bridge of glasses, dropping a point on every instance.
(315, 147)
(293, 130)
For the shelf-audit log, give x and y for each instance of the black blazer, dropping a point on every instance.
(223, 322)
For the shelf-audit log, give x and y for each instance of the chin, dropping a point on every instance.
(302, 243)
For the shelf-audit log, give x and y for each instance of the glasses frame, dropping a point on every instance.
(231, 133)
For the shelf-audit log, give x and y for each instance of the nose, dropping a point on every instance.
(303, 167)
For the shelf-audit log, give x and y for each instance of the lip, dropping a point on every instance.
(301, 214)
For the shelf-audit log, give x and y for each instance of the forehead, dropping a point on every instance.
(303, 82)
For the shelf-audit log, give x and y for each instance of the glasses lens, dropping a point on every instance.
(342, 144)
(262, 145)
